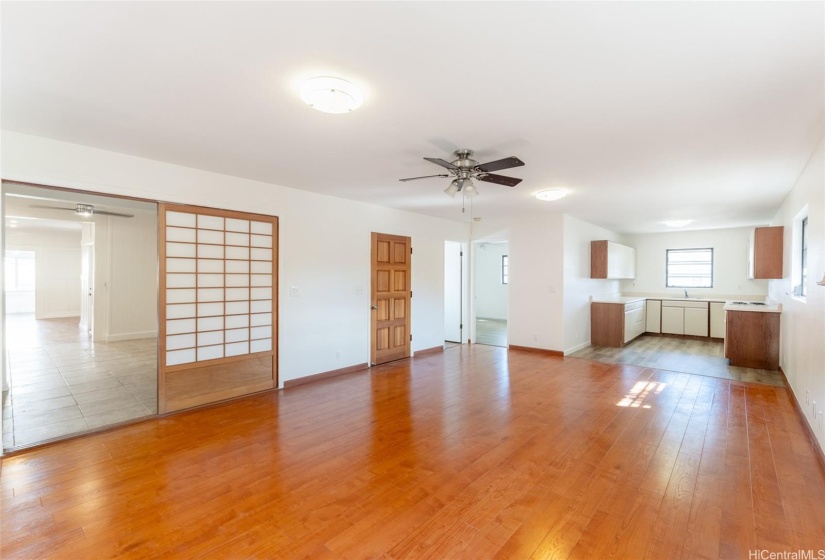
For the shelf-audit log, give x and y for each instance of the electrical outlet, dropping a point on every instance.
(820, 419)
(337, 355)
(807, 400)
(294, 291)
(535, 337)
(813, 403)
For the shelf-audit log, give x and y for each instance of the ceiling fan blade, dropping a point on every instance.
(505, 163)
(499, 179)
(50, 207)
(105, 213)
(423, 177)
(441, 162)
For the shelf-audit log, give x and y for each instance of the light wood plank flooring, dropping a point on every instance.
(471, 453)
(702, 357)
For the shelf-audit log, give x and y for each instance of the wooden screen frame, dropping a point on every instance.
(219, 365)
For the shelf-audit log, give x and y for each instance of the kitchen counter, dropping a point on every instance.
(618, 299)
(757, 306)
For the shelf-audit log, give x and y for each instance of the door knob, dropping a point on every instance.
(374, 307)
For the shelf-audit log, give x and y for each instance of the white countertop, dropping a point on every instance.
(617, 299)
(768, 307)
(730, 305)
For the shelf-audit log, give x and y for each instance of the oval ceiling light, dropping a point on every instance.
(331, 95)
(677, 223)
(551, 194)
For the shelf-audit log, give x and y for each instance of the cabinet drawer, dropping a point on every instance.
(634, 305)
(674, 303)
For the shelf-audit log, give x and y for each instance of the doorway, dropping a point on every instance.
(82, 355)
(491, 273)
(454, 293)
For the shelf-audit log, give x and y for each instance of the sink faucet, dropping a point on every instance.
(686, 294)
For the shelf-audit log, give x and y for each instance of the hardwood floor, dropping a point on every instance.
(470, 453)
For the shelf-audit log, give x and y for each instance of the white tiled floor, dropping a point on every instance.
(492, 332)
(63, 383)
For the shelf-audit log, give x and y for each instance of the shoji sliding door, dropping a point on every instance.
(218, 286)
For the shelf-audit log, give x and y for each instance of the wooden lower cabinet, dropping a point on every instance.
(616, 324)
(752, 339)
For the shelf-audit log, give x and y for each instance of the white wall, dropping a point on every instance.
(324, 244)
(536, 280)
(730, 263)
(57, 269)
(491, 296)
(132, 285)
(803, 321)
(578, 286)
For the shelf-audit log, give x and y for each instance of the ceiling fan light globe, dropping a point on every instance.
(452, 189)
(85, 210)
(470, 189)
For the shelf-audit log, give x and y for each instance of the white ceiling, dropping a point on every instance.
(646, 111)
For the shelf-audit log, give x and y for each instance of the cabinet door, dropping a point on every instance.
(673, 320)
(653, 319)
(696, 321)
(634, 321)
(717, 320)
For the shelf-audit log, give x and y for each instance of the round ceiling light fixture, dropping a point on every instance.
(331, 95)
(677, 223)
(551, 194)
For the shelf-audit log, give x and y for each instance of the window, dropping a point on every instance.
(801, 289)
(19, 271)
(505, 269)
(689, 268)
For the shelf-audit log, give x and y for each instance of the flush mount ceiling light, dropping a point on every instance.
(551, 194)
(677, 223)
(331, 95)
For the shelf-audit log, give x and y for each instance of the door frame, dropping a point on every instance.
(373, 291)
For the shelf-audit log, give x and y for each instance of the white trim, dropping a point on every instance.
(131, 336)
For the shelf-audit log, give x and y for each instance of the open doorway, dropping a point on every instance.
(454, 293)
(80, 319)
(491, 292)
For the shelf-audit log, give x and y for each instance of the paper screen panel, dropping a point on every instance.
(218, 284)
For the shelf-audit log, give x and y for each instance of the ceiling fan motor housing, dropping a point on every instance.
(464, 159)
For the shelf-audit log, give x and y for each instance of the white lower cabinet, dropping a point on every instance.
(685, 317)
(696, 321)
(673, 319)
(634, 320)
(653, 320)
(717, 319)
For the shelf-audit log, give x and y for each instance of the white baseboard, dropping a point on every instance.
(131, 336)
(576, 348)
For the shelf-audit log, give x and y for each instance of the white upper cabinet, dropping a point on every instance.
(612, 260)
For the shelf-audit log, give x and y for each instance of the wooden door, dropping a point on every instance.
(391, 295)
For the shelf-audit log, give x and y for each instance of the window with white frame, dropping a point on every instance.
(799, 276)
(505, 269)
(689, 268)
(19, 267)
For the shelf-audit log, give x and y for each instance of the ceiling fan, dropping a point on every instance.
(84, 210)
(465, 169)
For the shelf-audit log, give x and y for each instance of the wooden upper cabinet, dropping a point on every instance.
(765, 252)
(612, 260)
